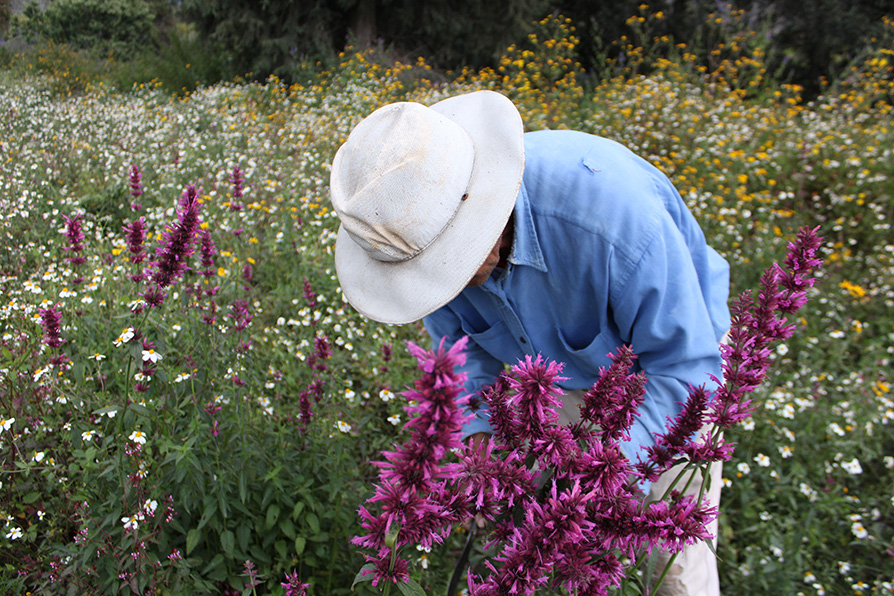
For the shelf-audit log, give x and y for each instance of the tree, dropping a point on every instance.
(272, 36)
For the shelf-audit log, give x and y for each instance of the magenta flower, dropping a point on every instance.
(75, 235)
(415, 505)
(51, 322)
(252, 574)
(306, 411)
(386, 569)
(240, 315)
(548, 530)
(487, 482)
(674, 524)
(676, 441)
(208, 251)
(502, 416)
(322, 352)
(154, 296)
(309, 294)
(136, 187)
(755, 324)
(293, 585)
(537, 396)
(135, 233)
(602, 466)
(612, 402)
(237, 178)
(177, 245)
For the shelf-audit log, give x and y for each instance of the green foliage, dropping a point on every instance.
(257, 39)
(120, 27)
(67, 70)
(179, 63)
(276, 37)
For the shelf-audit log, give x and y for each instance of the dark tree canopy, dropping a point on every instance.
(803, 41)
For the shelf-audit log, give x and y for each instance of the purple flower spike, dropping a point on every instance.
(178, 243)
(75, 235)
(549, 530)
(502, 417)
(135, 233)
(51, 322)
(399, 572)
(537, 396)
(416, 506)
(293, 585)
(136, 187)
(208, 252)
(611, 403)
(237, 178)
(240, 315)
(676, 441)
(309, 294)
(154, 296)
(602, 467)
(755, 324)
(485, 481)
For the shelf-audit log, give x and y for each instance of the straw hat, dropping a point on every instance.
(423, 194)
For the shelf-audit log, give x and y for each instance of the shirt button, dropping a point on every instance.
(523, 340)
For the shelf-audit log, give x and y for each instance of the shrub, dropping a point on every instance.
(120, 27)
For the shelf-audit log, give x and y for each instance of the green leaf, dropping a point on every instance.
(287, 528)
(243, 532)
(140, 409)
(281, 549)
(227, 543)
(313, 522)
(272, 516)
(299, 545)
(136, 351)
(77, 371)
(30, 498)
(364, 575)
(192, 539)
(410, 588)
(299, 507)
(106, 410)
(243, 487)
(216, 569)
(210, 510)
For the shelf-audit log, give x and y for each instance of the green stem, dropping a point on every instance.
(663, 572)
(462, 561)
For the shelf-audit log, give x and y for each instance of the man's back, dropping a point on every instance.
(604, 253)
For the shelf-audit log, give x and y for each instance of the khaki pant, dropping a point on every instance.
(694, 569)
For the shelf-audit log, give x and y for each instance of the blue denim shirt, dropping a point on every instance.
(604, 253)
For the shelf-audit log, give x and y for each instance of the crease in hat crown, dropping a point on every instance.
(400, 178)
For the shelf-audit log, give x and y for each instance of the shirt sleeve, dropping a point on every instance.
(660, 310)
(480, 368)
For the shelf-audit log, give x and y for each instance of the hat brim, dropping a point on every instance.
(406, 291)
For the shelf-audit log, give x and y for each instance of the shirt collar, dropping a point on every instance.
(525, 245)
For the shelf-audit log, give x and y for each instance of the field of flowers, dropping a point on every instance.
(206, 425)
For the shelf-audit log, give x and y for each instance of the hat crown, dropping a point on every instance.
(400, 178)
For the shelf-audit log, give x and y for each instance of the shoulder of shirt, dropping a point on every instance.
(592, 185)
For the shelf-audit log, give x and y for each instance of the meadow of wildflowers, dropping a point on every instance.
(188, 405)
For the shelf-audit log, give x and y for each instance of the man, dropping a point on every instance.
(551, 242)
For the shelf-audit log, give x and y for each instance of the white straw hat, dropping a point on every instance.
(423, 194)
